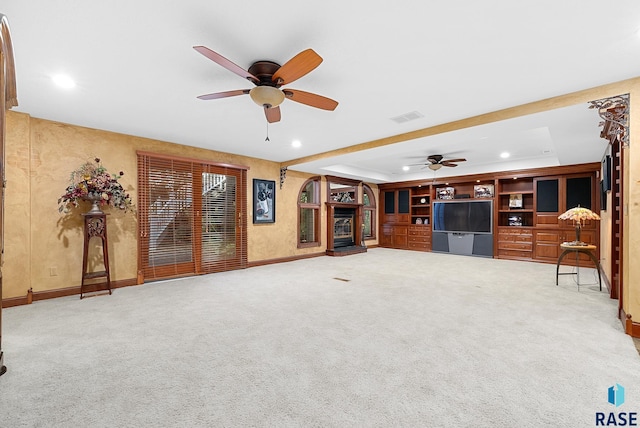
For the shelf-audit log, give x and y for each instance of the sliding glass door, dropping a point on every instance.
(190, 217)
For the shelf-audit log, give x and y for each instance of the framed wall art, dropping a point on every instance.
(264, 201)
(445, 192)
(483, 191)
(515, 201)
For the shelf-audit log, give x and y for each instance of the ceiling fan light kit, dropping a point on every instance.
(266, 96)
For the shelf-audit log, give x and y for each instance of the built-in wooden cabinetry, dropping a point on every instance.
(555, 195)
(395, 217)
(526, 207)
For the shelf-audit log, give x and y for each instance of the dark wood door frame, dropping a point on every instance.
(8, 99)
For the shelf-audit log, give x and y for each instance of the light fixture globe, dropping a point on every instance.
(435, 166)
(267, 96)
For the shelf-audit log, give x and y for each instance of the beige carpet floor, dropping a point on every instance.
(389, 338)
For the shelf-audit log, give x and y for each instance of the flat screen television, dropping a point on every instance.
(463, 216)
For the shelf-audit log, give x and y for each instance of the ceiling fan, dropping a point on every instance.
(268, 77)
(435, 162)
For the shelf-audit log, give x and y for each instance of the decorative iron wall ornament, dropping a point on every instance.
(283, 175)
(615, 110)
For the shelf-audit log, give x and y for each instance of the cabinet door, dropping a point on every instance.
(401, 237)
(403, 206)
(578, 193)
(389, 202)
(386, 239)
(547, 202)
(547, 245)
(388, 212)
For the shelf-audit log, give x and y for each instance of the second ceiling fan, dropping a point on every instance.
(435, 162)
(268, 77)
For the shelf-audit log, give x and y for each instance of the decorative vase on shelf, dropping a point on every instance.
(95, 204)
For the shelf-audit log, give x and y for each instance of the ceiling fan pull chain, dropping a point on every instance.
(267, 139)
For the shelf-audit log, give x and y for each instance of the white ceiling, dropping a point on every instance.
(137, 74)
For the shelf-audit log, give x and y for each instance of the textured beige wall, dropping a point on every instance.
(41, 154)
(17, 235)
(631, 210)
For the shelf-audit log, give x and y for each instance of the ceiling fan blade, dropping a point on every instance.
(225, 94)
(310, 99)
(446, 163)
(456, 160)
(297, 67)
(272, 114)
(220, 60)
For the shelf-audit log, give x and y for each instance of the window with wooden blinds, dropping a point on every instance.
(191, 216)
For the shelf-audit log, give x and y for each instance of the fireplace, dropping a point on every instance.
(344, 228)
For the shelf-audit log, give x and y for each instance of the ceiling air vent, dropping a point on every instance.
(407, 117)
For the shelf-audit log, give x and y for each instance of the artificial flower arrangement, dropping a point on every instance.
(92, 182)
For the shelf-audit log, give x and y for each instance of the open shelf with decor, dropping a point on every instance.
(421, 206)
(516, 202)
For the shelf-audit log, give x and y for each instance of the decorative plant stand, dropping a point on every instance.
(95, 225)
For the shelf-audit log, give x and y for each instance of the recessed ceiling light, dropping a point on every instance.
(63, 81)
(296, 143)
(504, 155)
(405, 168)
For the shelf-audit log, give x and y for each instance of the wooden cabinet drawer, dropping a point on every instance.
(423, 246)
(524, 238)
(552, 237)
(524, 246)
(414, 238)
(419, 230)
(512, 230)
(515, 254)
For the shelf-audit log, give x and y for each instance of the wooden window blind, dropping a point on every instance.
(223, 237)
(191, 216)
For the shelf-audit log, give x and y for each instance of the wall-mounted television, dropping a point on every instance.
(459, 216)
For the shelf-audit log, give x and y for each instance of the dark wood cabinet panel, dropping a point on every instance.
(547, 244)
(395, 218)
(401, 237)
(547, 191)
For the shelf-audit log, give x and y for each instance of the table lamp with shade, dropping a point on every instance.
(578, 215)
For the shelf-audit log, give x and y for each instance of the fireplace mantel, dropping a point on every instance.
(334, 245)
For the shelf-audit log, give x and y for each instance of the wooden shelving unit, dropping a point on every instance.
(515, 202)
(421, 206)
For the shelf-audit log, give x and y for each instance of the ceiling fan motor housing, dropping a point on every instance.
(266, 93)
(264, 70)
